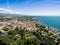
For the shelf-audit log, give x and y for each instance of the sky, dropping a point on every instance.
(31, 7)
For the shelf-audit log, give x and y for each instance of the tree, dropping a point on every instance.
(58, 40)
(5, 28)
(12, 32)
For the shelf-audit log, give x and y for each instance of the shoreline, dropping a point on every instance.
(52, 28)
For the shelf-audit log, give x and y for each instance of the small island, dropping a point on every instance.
(24, 30)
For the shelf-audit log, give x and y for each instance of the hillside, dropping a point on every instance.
(25, 31)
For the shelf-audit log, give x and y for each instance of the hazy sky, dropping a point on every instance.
(31, 7)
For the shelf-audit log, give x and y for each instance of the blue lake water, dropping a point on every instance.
(52, 21)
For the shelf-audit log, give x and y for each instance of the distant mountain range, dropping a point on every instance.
(10, 14)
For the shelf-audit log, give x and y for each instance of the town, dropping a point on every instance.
(27, 30)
